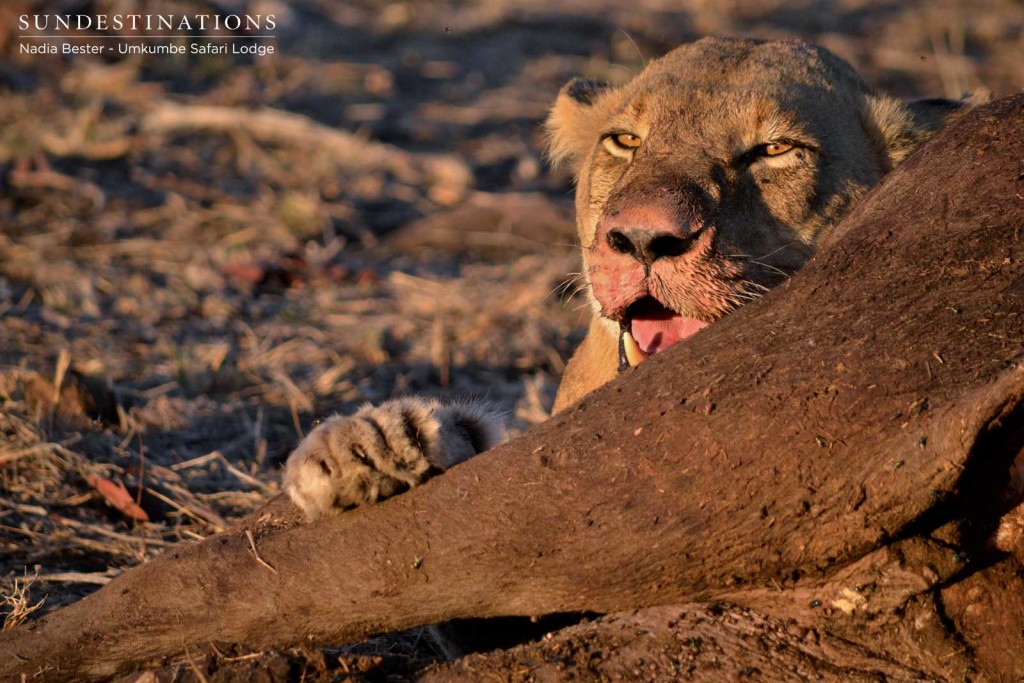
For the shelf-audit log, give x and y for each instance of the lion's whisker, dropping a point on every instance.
(774, 251)
(780, 271)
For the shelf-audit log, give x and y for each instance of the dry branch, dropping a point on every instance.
(443, 172)
(808, 458)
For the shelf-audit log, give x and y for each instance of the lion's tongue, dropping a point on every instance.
(657, 331)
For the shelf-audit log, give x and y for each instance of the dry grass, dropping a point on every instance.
(201, 256)
(16, 603)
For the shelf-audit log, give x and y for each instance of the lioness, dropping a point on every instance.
(703, 182)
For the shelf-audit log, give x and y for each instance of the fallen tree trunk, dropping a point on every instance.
(832, 458)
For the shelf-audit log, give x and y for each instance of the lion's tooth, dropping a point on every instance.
(634, 353)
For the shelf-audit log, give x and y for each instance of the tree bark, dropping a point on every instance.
(830, 460)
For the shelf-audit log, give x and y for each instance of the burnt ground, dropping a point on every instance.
(202, 254)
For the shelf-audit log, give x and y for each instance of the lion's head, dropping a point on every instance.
(712, 175)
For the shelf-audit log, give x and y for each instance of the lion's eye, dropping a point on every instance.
(619, 143)
(774, 149)
(626, 140)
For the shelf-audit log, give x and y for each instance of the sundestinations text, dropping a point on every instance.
(146, 22)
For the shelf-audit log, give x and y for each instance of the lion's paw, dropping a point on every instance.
(384, 450)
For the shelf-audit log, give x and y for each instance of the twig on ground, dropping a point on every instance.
(99, 578)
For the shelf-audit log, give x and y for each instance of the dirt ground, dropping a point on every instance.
(200, 255)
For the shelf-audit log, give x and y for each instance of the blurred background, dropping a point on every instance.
(201, 254)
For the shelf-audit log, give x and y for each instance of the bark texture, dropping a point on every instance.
(822, 468)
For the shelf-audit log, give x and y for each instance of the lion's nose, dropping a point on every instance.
(647, 231)
(647, 246)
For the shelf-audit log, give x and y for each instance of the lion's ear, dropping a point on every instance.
(575, 119)
(901, 126)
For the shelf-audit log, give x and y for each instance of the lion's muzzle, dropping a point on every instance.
(635, 252)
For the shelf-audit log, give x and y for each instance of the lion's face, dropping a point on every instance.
(712, 175)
